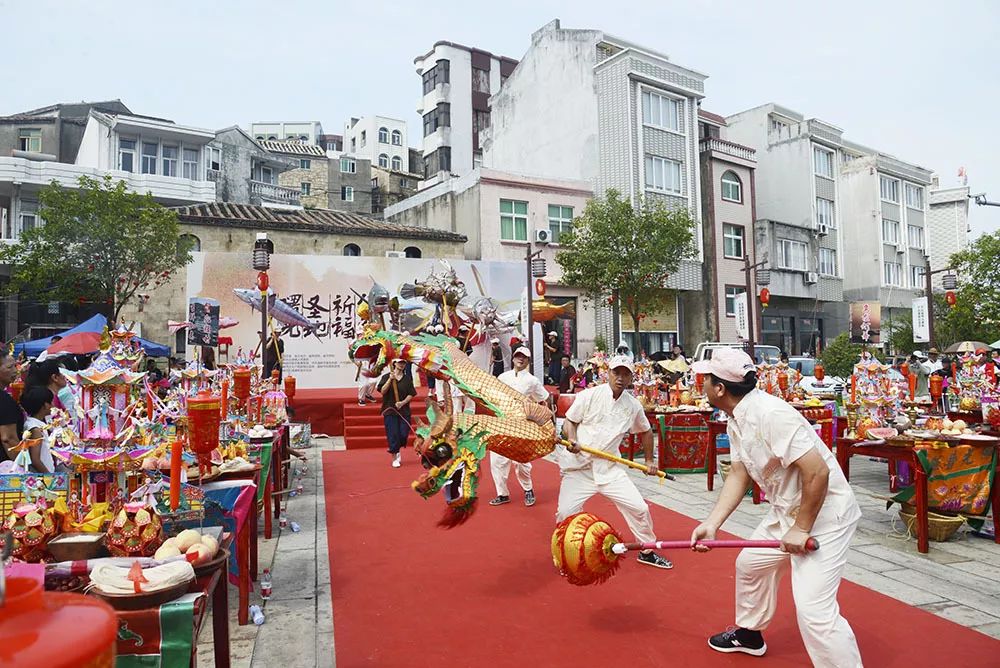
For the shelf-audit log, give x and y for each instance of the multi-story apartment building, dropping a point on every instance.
(588, 106)
(837, 221)
(245, 172)
(379, 140)
(307, 132)
(884, 219)
(728, 212)
(63, 142)
(457, 82)
(325, 179)
(947, 225)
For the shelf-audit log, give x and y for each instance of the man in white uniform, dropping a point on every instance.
(773, 445)
(524, 382)
(599, 418)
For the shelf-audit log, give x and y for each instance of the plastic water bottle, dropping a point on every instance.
(265, 584)
(256, 614)
(295, 527)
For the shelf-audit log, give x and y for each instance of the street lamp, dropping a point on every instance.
(262, 250)
(535, 267)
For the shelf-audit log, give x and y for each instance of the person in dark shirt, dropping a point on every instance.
(496, 357)
(397, 392)
(11, 415)
(273, 355)
(566, 373)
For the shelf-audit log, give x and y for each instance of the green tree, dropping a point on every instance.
(979, 294)
(626, 252)
(951, 325)
(840, 355)
(99, 243)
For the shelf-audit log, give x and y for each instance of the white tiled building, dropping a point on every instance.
(947, 225)
(586, 105)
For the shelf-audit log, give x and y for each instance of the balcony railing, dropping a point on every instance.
(269, 192)
(728, 147)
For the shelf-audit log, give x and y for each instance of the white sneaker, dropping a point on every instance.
(396, 461)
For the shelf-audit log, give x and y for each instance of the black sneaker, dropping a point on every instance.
(653, 559)
(529, 497)
(500, 500)
(739, 640)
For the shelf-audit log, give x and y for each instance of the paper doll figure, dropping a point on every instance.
(147, 492)
(99, 416)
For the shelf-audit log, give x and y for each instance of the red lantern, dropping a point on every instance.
(765, 297)
(262, 281)
(950, 298)
(290, 387)
(204, 416)
(241, 385)
(819, 371)
(540, 287)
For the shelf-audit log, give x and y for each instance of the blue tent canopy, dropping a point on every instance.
(95, 324)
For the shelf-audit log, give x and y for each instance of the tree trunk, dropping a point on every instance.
(636, 335)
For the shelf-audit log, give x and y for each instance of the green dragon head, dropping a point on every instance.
(375, 347)
(452, 458)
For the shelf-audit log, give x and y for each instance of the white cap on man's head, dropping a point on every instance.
(552, 334)
(620, 361)
(523, 352)
(494, 340)
(730, 364)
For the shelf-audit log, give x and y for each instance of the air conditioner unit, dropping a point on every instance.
(812, 277)
(900, 250)
(823, 229)
(395, 253)
(543, 236)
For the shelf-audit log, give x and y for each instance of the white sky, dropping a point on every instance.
(915, 79)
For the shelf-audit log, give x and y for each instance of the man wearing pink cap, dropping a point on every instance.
(600, 417)
(774, 446)
(524, 382)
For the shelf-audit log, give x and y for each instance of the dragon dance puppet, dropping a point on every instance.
(452, 446)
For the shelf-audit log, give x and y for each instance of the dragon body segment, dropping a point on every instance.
(452, 446)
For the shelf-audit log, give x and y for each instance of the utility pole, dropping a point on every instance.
(949, 281)
(751, 303)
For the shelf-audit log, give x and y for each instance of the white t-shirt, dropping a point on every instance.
(525, 383)
(767, 436)
(45, 454)
(603, 422)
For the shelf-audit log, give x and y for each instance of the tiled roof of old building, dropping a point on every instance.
(321, 221)
(292, 148)
(711, 118)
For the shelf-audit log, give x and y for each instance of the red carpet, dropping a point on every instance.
(406, 593)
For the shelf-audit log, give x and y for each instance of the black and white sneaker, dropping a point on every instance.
(529, 497)
(500, 500)
(739, 640)
(653, 559)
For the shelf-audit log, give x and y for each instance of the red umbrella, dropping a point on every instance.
(80, 343)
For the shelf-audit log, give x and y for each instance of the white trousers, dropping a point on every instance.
(578, 486)
(366, 388)
(500, 468)
(815, 580)
(462, 404)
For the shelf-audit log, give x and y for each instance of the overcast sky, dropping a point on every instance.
(916, 79)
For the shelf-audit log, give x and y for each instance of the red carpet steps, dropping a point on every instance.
(363, 427)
